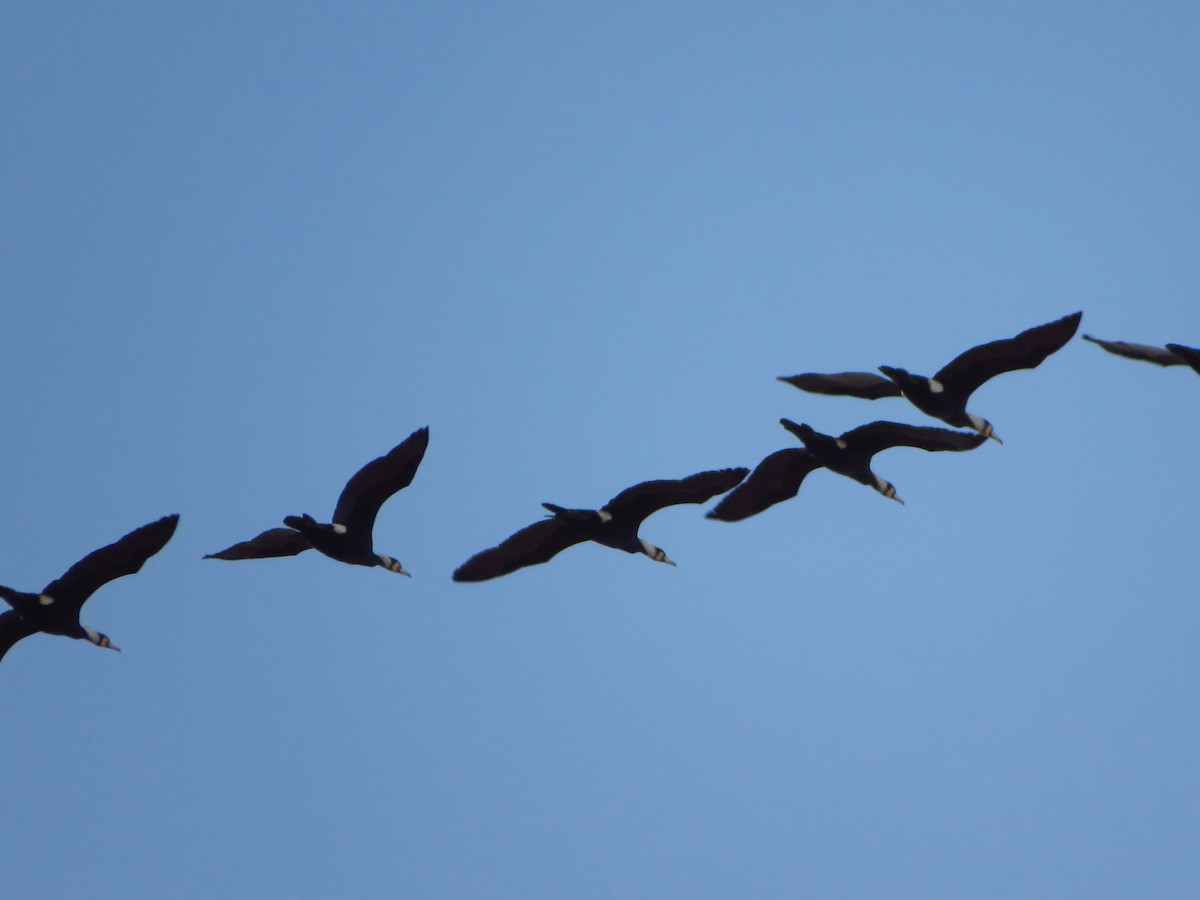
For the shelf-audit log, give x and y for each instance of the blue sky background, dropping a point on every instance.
(248, 247)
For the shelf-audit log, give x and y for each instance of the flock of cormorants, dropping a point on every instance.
(348, 538)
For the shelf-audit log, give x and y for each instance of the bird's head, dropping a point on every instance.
(100, 640)
(392, 565)
(887, 489)
(655, 553)
(984, 427)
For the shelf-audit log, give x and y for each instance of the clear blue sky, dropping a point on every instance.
(248, 247)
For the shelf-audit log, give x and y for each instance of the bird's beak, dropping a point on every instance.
(109, 645)
(659, 556)
(891, 494)
(989, 432)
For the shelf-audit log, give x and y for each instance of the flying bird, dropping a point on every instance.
(945, 395)
(1170, 355)
(348, 538)
(779, 476)
(614, 525)
(56, 609)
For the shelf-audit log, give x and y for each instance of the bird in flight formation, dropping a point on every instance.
(56, 609)
(616, 524)
(778, 477)
(945, 395)
(348, 538)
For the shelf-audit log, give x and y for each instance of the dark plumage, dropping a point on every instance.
(1170, 355)
(779, 476)
(1190, 355)
(349, 538)
(775, 479)
(945, 395)
(56, 609)
(614, 525)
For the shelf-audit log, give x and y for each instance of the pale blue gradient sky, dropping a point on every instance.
(248, 247)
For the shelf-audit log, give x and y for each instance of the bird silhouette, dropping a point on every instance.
(945, 395)
(779, 476)
(56, 609)
(349, 537)
(614, 525)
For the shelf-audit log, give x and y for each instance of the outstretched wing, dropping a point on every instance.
(530, 546)
(123, 557)
(639, 501)
(872, 438)
(1161, 356)
(376, 481)
(1189, 355)
(272, 542)
(775, 479)
(1025, 351)
(12, 629)
(866, 385)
